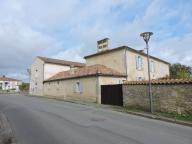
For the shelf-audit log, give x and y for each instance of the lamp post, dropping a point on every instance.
(146, 36)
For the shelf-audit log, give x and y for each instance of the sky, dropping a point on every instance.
(69, 29)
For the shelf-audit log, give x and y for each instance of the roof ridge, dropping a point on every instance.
(8, 79)
(60, 61)
(125, 47)
(161, 81)
(96, 69)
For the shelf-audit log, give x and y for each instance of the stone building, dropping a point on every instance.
(72, 80)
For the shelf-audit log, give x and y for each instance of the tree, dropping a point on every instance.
(24, 87)
(179, 71)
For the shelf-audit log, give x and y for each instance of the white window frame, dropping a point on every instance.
(78, 87)
(139, 62)
(140, 78)
(152, 66)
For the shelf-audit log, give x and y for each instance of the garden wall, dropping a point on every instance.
(167, 97)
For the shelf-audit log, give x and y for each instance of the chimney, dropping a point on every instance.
(102, 45)
(142, 51)
(72, 69)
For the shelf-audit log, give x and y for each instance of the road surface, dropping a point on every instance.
(44, 121)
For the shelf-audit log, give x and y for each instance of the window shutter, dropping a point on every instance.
(74, 87)
(141, 63)
(136, 60)
(81, 88)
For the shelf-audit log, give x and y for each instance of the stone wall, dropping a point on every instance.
(65, 89)
(171, 98)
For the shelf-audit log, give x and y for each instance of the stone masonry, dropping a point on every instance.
(171, 98)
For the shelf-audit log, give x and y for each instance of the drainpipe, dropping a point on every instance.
(43, 78)
(98, 90)
(125, 63)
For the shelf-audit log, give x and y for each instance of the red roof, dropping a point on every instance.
(3, 78)
(94, 70)
(61, 62)
(164, 81)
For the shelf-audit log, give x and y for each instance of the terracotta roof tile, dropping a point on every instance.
(165, 81)
(86, 71)
(8, 79)
(61, 62)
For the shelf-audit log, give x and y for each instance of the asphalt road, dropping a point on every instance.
(44, 121)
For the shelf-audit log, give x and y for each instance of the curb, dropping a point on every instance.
(155, 117)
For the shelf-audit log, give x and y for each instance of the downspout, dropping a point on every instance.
(43, 77)
(125, 63)
(98, 89)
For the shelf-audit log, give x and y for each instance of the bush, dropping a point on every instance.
(24, 87)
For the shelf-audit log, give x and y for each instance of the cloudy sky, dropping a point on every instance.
(69, 29)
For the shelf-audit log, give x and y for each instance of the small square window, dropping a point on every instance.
(78, 87)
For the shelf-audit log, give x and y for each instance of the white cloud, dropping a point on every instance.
(20, 43)
(20, 76)
(174, 49)
(71, 54)
(30, 28)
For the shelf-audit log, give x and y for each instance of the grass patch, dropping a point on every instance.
(186, 117)
(176, 116)
(136, 109)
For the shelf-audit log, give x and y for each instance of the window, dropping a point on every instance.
(139, 63)
(152, 66)
(140, 78)
(78, 87)
(36, 73)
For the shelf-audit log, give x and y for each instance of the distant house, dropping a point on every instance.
(83, 81)
(9, 83)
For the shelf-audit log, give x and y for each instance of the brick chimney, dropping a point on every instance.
(102, 45)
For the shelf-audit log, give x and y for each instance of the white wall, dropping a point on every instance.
(52, 69)
(8, 85)
(161, 68)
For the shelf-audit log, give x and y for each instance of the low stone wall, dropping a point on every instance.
(171, 98)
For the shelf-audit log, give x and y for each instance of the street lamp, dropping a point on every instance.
(146, 37)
